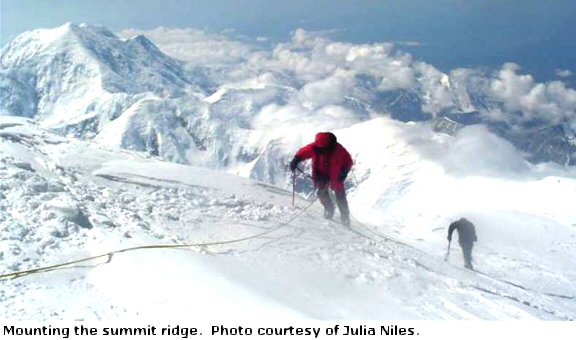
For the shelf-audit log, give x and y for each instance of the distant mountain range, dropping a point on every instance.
(84, 81)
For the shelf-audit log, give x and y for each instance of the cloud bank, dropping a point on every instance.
(318, 74)
(552, 102)
(564, 73)
(195, 46)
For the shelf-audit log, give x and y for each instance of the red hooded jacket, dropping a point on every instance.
(329, 158)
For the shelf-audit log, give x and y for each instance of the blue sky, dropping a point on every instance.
(534, 33)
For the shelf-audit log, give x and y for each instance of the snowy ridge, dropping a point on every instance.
(64, 199)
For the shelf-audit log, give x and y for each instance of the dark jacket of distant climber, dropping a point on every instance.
(330, 166)
(466, 238)
(466, 231)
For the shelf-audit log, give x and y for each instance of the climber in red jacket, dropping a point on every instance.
(330, 165)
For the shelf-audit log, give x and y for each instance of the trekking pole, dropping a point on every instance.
(293, 188)
(447, 251)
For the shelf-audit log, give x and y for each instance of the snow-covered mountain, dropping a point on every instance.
(82, 77)
(85, 81)
(78, 79)
(64, 199)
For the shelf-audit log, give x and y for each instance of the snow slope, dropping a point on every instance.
(64, 199)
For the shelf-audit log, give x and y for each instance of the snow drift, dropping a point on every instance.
(65, 199)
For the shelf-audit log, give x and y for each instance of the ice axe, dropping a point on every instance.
(293, 188)
(447, 251)
(294, 182)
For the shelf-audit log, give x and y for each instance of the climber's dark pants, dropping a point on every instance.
(341, 201)
(467, 253)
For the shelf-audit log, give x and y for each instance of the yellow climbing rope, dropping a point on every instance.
(150, 246)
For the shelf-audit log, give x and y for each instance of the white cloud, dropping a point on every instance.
(328, 91)
(564, 73)
(495, 114)
(397, 77)
(276, 115)
(436, 89)
(408, 43)
(305, 65)
(195, 46)
(274, 120)
(313, 57)
(499, 157)
(551, 101)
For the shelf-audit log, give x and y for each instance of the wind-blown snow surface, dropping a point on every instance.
(64, 199)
